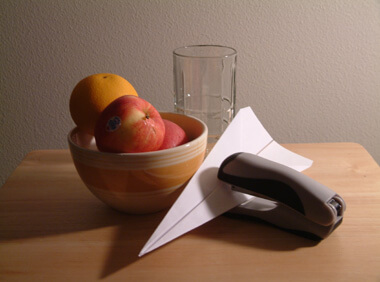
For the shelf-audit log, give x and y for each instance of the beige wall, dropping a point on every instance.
(309, 68)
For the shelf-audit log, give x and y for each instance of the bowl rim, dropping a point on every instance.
(150, 153)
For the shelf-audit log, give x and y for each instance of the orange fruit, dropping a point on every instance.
(93, 94)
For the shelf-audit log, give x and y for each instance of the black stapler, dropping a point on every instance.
(283, 196)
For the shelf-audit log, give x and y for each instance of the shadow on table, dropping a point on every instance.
(57, 215)
(129, 238)
(251, 232)
(55, 212)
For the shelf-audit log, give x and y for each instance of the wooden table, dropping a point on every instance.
(53, 229)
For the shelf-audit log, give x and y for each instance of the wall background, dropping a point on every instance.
(309, 69)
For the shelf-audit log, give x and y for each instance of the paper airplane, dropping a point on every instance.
(205, 196)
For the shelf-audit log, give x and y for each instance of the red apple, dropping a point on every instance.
(174, 135)
(129, 125)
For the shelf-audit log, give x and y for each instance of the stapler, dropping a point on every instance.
(284, 197)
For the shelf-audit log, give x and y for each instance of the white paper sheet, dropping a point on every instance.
(205, 196)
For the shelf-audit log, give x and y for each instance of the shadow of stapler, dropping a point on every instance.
(283, 197)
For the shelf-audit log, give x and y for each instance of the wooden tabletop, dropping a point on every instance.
(53, 229)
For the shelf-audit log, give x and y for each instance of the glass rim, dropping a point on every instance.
(232, 52)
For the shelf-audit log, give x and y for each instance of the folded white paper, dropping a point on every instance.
(205, 196)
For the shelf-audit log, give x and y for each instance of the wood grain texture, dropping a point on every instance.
(53, 229)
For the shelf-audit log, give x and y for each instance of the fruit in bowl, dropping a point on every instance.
(93, 94)
(174, 135)
(129, 155)
(145, 182)
(129, 124)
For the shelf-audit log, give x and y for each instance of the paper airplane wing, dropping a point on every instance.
(205, 197)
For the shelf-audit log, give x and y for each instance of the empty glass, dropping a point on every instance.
(204, 85)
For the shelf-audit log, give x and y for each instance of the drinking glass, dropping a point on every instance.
(204, 85)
